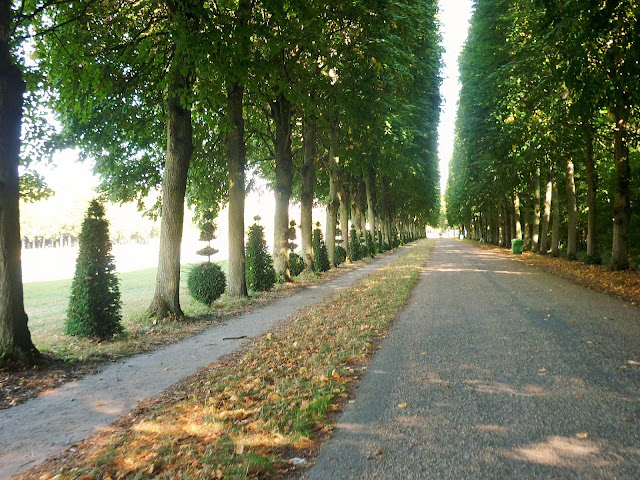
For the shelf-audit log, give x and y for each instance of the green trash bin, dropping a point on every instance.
(516, 245)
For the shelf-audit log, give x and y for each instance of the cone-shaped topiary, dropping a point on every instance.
(261, 275)
(341, 255)
(94, 304)
(355, 252)
(206, 282)
(371, 246)
(320, 255)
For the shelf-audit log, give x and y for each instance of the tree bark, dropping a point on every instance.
(526, 236)
(332, 218)
(571, 209)
(555, 229)
(516, 211)
(344, 196)
(166, 300)
(544, 240)
(15, 338)
(236, 159)
(535, 244)
(591, 193)
(308, 174)
(622, 198)
(370, 182)
(281, 112)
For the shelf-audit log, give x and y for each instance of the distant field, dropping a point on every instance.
(46, 303)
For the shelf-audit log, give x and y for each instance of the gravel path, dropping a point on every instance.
(54, 421)
(506, 372)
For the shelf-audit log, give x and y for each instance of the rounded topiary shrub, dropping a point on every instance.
(296, 264)
(260, 274)
(206, 282)
(94, 303)
(341, 255)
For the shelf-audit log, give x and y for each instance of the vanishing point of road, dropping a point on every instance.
(496, 370)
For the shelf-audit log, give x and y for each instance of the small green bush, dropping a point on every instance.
(261, 276)
(355, 253)
(320, 255)
(371, 246)
(296, 264)
(94, 304)
(341, 255)
(206, 282)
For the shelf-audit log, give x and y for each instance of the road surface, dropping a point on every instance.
(496, 370)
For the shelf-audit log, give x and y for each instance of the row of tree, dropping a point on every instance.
(547, 129)
(332, 101)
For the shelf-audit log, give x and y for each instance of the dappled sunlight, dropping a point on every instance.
(493, 429)
(475, 270)
(560, 452)
(503, 388)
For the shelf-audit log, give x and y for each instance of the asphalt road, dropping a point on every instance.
(506, 372)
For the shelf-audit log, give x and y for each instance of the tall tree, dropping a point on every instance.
(15, 338)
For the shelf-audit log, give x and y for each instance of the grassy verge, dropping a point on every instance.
(243, 418)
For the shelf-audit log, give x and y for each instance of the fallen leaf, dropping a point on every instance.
(403, 405)
(582, 435)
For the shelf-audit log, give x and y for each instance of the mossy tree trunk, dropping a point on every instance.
(535, 237)
(370, 182)
(591, 193)
(572, 231)
(308, 174)
(281, 113)
(166, 300)
(544, 240)
(15, 338)
(236, 158)
(622, 197)
(555, 204)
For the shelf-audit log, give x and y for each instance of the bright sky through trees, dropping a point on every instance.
(454, 23)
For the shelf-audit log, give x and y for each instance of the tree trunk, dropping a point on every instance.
(360, 206)
(621, 199)
(535, 244)
(516, 211)
(571, 209)
(334, 202)
(555, 229)
(236, 158)
(308, 174)
(15, 338)
(332, 219)
(526, 236)
(343, 195)
(281, 112)
(166, 300)
(591, 193)
(544, 241)
(370, 182)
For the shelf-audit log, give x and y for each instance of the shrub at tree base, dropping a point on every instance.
(371, 246)
(206, 282)
(261, 275)
(296, 264)
(355, 252)
(94, 304)
(320, 255)
(341, 255)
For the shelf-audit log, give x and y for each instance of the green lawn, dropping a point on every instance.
(46, 305)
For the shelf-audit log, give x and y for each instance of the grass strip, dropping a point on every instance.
(242, 419)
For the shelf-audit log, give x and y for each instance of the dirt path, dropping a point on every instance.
(54, 421)
(496, 370)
